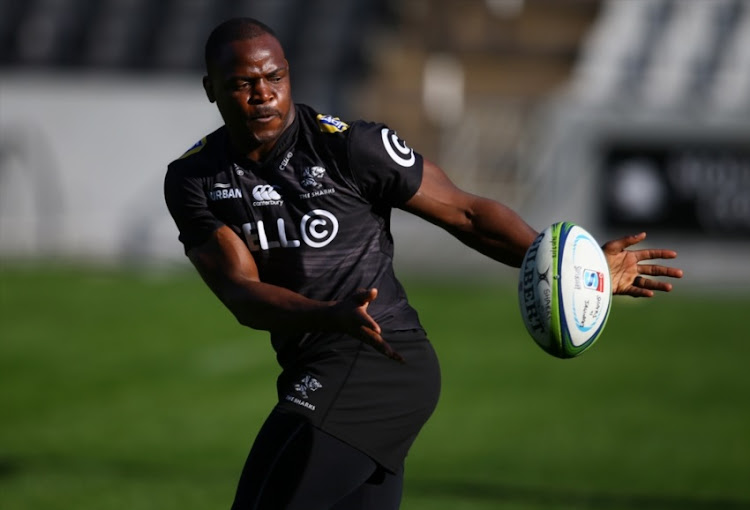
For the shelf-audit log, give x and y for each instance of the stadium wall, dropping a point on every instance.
(83, 162)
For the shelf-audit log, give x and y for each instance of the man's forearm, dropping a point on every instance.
(268, 307)
(497, 231)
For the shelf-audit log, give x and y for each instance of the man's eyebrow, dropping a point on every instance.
(243, 77)
(280, 69)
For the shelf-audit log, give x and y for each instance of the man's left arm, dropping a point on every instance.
(497, 231)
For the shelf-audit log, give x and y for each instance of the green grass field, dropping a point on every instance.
(132, 390)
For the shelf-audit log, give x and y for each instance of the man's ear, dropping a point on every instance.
(208, 87)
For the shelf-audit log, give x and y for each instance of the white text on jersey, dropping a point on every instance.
(265, 194)
(223, 191)
(317, 229)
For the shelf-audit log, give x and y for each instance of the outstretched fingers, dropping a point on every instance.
(629, 276)
(659, 270)
(652, 254)
(645, 286)
(648, 284)
(618, 245)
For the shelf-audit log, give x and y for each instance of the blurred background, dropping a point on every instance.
(124, 384)
(619, 115)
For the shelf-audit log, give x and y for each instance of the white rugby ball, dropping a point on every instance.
(565, 290)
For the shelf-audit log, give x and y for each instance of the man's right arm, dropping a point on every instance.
(228, 268)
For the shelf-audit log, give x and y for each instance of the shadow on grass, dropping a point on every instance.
(15, 467)
(555, 497)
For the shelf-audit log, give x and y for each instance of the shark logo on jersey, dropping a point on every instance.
(331, 124)
(310, 181)
(310, 177)
(307, 383)
(397, 149)
(223, 191)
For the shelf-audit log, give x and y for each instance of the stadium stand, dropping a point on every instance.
(667, 54)
(323, 40)
(662, 53)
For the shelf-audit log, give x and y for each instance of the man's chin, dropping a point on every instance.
(265, 130)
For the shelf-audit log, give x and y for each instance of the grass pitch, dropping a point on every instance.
(128, 390)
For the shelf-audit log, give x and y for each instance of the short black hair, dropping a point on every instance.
(235, 29)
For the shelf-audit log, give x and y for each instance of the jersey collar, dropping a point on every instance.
(285, 142)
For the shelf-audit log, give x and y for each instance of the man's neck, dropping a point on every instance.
(254, 150)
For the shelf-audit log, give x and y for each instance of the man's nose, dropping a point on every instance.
(262, 92)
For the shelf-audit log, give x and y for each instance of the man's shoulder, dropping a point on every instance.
(333, 129)
(202, 156)
(317, 123)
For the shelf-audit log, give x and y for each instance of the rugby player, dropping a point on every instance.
(285, 213)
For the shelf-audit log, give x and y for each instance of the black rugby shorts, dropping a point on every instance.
(296, 466)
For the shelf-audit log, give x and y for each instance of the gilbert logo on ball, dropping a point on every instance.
(564, 290)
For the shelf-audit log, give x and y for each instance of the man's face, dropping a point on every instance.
(249, 81)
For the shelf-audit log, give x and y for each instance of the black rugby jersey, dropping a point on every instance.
(315, 213)
(316, 216)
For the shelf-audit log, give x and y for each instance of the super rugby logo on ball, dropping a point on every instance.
(564, 290)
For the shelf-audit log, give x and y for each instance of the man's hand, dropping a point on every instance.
(628, 275)
(351, 315)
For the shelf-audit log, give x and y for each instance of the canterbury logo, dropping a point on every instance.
(266, 193)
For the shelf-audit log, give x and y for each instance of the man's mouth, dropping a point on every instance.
(263, 116)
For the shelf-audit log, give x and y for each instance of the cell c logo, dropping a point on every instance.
(319, 228)
(397, 149)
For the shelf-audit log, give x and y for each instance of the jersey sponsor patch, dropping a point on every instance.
(397, 149)
(223, 191)
(266, 194)
(317, 229)
(330, 124)
(195, 148)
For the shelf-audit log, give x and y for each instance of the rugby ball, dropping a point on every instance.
(564, 290)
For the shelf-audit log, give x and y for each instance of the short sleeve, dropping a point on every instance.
(385, 168)
(188, 205)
